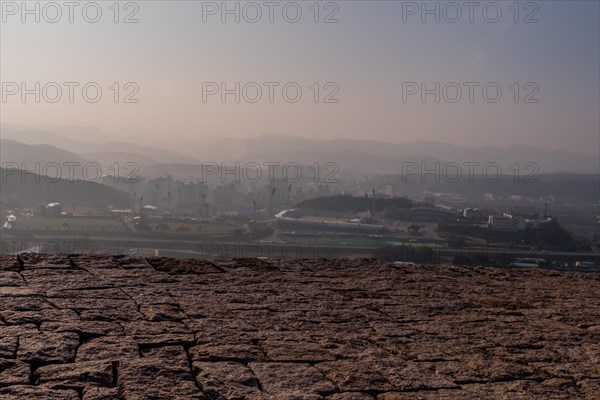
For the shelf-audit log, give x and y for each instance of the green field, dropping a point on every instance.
(333, 241)
(87, 224)
(418, 244)
(209, 229)
(348, 241)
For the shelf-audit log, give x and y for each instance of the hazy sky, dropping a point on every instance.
(371, 55)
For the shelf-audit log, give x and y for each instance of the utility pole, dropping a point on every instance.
(197, 198)
(196, 201)
(169, 196)
(180, 205)
(133, 206)
(373, 211)
(159, 200)
(271, 206)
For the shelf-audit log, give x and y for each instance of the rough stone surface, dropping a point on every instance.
(109, 348)
(228, 379)
(291, 378)
(47, 348)
(113, 328)
(36, 393)
(13, 372)
(77, 375)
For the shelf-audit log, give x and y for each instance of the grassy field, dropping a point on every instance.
(317, 218)
(333, 241)
(419, 244)
(88, 224)
(348, 241)
(70, 224)
(209, 229)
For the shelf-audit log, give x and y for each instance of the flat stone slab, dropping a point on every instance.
(108, 328)
(279, 379)
(77, 375)
(36, 393)
(48, 348)
(14, 372)
(227, 380)
(108, 348)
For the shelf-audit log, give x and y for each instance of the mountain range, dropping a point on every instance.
(351, 155)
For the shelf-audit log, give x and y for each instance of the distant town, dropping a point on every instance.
(371, 216)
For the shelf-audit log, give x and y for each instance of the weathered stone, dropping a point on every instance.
(13, 372)
(61, 279)
(175, 354)
(354, 376)
(227, 380)
(242, 352)
(8, 346)
(415, 376)
(84, 328)
(100, 393)
(350, 396)
(145, 328)
(162, 312)
(283, 350)
(111, 348)
(36, 393)
(283, 378)
(127, 312)
(291, 395)
(34, 260)
(11, 278)
(9, 263)
(46, 348)
(120, 328)
(39, 316)
(76, 293)
(14, 331)
(167, 339)
(77, 375)
(33, 303)
(152, 378)
(90, 304)
(183, 267)
(18, 291)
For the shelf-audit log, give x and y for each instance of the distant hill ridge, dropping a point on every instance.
(367, 156)
(28, 190)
